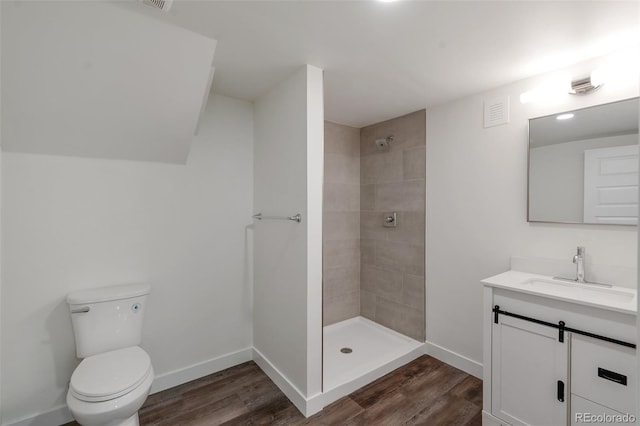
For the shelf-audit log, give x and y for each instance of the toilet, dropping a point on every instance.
(114, 377)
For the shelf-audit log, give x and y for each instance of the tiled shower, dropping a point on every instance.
(341, 223)
(370, 270)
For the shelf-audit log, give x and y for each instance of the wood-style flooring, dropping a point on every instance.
(423, 392)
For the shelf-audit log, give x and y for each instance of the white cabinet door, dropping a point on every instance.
(529, 370)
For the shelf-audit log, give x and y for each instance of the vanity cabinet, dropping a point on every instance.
(583, 407)
(603, 378)
(529, 373)
(540, 369)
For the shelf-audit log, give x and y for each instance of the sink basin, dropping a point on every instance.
(583, 291)
(613, 298)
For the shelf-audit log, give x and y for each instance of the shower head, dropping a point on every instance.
(383, 144)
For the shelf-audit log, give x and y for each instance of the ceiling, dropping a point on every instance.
(382, 60)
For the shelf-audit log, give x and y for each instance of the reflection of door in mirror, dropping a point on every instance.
(611, 185)
(583, 165)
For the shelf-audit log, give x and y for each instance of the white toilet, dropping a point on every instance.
(114, 378)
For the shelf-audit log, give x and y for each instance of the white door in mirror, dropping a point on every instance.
(611, 185)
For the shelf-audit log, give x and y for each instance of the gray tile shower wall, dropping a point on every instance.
(341, 223)
(392, 259)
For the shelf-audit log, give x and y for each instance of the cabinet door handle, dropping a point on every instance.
(560, 391)
(613, 376)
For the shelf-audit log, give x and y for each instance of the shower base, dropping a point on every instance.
(375, 351)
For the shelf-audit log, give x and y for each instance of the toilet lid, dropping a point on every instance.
(111, 374)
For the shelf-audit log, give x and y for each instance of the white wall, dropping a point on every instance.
(288, 256)
(476, 208)
(556, 187)
(79, 223)
(315, 186)
(0, 216)
(130, 87)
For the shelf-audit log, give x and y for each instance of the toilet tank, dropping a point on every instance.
(107, 318)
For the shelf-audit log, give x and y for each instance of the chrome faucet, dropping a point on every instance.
(578, 259)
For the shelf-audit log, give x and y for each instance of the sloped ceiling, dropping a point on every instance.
(91, 79)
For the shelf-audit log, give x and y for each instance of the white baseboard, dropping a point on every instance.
(61, 415)
(201, 369)
(455, 359)
(289, 389)
(489, 420)
(57, 416)
(314, 404)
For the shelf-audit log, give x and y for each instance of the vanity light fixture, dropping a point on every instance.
(564, 116)
(584, 86)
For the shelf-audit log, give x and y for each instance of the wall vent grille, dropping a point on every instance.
(163, 5)
(496, 112)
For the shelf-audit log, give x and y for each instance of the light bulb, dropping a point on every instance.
(564, 116)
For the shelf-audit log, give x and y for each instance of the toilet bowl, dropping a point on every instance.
(114, 377)
(108, 389)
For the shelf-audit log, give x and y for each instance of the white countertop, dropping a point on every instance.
(620, 299)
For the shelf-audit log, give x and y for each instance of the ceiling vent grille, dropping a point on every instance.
(163, 5)
(496, 112)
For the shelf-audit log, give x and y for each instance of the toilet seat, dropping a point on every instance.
(110, 375)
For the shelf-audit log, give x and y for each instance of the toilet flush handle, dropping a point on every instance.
(81, 310)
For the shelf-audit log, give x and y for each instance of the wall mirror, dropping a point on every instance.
(583, 165)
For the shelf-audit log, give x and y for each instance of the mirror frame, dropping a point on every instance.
(529, 220)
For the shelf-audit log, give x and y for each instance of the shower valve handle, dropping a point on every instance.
(390, 220)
